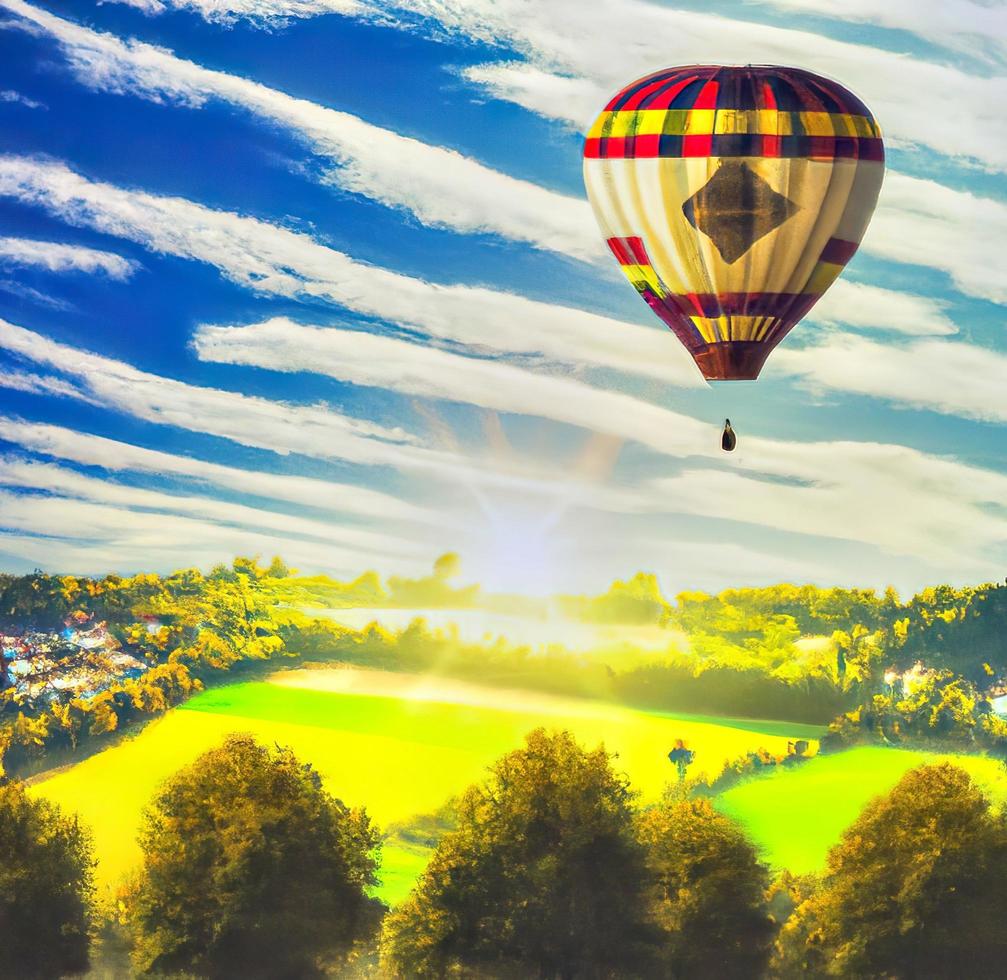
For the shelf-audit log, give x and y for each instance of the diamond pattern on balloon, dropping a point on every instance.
(735, 208)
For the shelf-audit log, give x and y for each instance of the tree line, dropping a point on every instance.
(553, 869)
(797, 653)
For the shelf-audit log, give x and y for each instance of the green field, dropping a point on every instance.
(794, 815)
(399, 754)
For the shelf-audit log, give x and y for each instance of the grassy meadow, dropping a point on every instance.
(398, 744)
(795, 815)
(401, 745)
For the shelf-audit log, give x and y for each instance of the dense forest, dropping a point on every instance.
(86, 658)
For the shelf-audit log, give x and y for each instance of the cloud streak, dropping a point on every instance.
(58, 257)
(978, 30)
(250, 421)
(952, 378)
(114, 456)
(111, 536)
(20, 474)
(396, 365)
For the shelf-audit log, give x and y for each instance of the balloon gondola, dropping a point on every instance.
(728, 439)
(732, 198)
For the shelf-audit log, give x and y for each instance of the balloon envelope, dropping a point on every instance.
(733, 197)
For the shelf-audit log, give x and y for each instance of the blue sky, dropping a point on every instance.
(317, 277)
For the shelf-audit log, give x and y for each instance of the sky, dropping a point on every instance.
(318, 278)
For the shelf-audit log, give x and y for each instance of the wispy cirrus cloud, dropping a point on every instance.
(866, 307)
(882, 496)
(978, 30)
(27, 475)
(950, 377)
(417, 369)
(59, 257)
(316, 431)
(265, 12)
(250, 421)
(38, 384)
(12, 96)
(83, 536)
(114, 456)
(922, 222)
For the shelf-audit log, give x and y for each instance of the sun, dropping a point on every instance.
(517, 548)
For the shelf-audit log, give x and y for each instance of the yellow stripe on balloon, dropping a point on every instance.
(721, 329)
(822, 276)
(703, 122)
(644, 275)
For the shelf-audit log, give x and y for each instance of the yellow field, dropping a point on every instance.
(397, 745)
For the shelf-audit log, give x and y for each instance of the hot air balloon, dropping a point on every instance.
(733, 197)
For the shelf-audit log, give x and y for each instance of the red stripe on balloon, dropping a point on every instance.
(838, 251)
(770, 142)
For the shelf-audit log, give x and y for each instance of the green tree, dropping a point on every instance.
(708, 892)
(46, 888)
(250, 869)
(915, 888)
(542, 878)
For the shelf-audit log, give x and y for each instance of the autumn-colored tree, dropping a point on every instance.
(915, 888)
(707, 893)
(434, 590)
(541, 878)
(250, 870)
(46, 888)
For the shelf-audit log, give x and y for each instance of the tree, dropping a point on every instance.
(708, 892)
(250, 869)
(542, 877)
(916, 887)
(46, 888)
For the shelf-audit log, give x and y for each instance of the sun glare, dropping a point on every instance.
(518, 550)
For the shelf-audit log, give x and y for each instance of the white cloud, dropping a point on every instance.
(439, 186)
(890, 497)
(311, 430)
(37, 384)
(396, 365)
(124, 539)
(16, 98)
(266, 12)
(57, 257)
(874, 308)
(279, 427)
(68, 483)
(976, 29)
(922, 222)
(269, 259)
(949, 377)
(117, 457)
